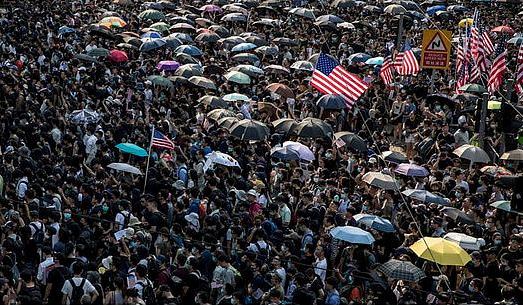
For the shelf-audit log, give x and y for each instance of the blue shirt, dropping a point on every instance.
(333, 298)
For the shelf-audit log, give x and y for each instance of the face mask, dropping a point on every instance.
(497, 242)
(365, 208)
(316, 179)
(105, 209)
(132, 244)
(328, 156)
(67, 216)
(471, 288)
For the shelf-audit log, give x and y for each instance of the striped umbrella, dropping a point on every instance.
(401, 270)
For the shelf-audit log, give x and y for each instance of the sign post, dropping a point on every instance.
(435, 52)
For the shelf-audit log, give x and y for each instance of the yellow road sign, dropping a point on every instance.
(435, 52)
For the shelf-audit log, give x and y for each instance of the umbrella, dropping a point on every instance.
(102, 31)
(473, 88)
(343, 3)
(246, 57)
(249, 70)
(284, 41)
(83, 116)
(284, 125)
(189, 70)
(380, 180)
(98, 52)
(457, 8)
(234, 97)
(331, 101)
(359, 58)
(431, 11)
(303, 12)
(160, 26)
(457, 215)
(151, 35)
(161, 81)
(394, 157)
(258, 41)
(284, 153)
(124, 167)
(178, 80)
(244, 46)
(303, 151)
(168, 65)
(495, 171)
(465, 241)
(395, 9)
(329, 18)
(182, 26)
(505, 206)
(411, 170)
(353, 235)
(186, 59)
(250, 130)
(127, 46)
(267, 50)
(189, 49)
(219, 113)
(237, 77)
(513, 155)
(303, 65)
(516, 40)
(132, 149)
(152, 45)
(85, 57)
(151, 15)
(425, 196)
(204, 22)
(220, 158)
(184, 37)
(313, 128)
(351, 140)
(503, 29)
(234, 17)
(202, 82)
(113, 22)
(375, 61)
(401, 270)
(280, 89)
(346, 26)
(118, 56)
(227, 122)
(473, 153)
(267, 22)
(277, 69)
(235, 8)
(466, 22)
(213, 101)
(207, 37)
(65, 30)
(375, 222)
(441, 251)
(440, 98)
(373, 9)
(211, 8)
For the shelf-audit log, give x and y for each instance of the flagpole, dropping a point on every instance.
(148, 159)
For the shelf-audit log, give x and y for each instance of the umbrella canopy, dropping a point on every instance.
(457, 215)
(353, 235)
(151, 15)
(380, 180)
(161, 81)
(234, 97)
(227, 122)
(234, 17)
(313, 128)
(425, 196)
(213, 101)
(219, 113)
(220, 158)
(203, 82)
(473, 88)
(238, 77)
(98, 52)
(244, 46)
(160, 26)
(411, 170)
(513, 155)
(117, 56)
(466, 22)
(375, 61)
(351, 140)
(346, 26)
(189, 49)
(331, 101)
(124, 167)
(112, 21)
(303, 65)
(495, 171)
(359, 57)
(431, 11)
(395, 9)
(168, 65)
(284, 125)
(516, 40)
(375, 222)
(277, 69)
(303, 12)
(151, 35)
(284, 153)
(303, 151)
(211, 8)
(465, 241)
(394, 157)
(329, 18)
(343, 3)
(280, 89)
(472, 153)
(250, 70)
(246, 57)
(83, 116)
(153, 44)
(189, 70)
(207, 37)
(504, 205)
(503, 29)
(132, 149)
(401, 270)
(441, 251)
(250, 130)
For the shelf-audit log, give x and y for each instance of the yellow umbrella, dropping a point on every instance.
(112, 21)
(465, 22)
(441, 251)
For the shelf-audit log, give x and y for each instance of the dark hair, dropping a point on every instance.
(78, 267)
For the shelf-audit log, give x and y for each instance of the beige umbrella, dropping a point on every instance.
(395, 9)
(473, 153)
(380, 180)
(219, 113)
(513, 155)
(202, 82)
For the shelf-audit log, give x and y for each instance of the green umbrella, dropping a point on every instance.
(151, 15)
(504, 205)
(132, 149)
(160, 26)
(473, 88)
(233, 97)
(238, 77)
(159, 80)
(98, 52)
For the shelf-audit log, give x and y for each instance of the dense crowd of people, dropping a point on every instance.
(257, 230)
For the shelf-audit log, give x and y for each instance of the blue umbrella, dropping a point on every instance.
(425, 196)
(172, 42)
(331, 101)
(182, 36)
(151, 34)
(411, 170)
(188, 49)
(431, 11)
(244, 46)
(284, 153)
(132, 149)
(375, 61)
(375, 222)
(65, 30)
(359, 57)
(353, 235)
(152, 45)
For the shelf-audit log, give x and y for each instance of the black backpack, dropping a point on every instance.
(78, 292)
(39, 234)
(126, 219)
(148, 294)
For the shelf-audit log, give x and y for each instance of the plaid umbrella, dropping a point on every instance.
(401, 270)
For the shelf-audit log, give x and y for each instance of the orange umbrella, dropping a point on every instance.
(503, 29)
(280, 89)
(118, 56)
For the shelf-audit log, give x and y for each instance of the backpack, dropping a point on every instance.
(39, 234)
(148, 294)
(126, 218)
(263, 253)
(78, 292)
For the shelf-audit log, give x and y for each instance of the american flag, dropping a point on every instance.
(386, 71)
(488, 46)
(462, 67)
(519, 71)
(406, 63)
(160, 140)
(499, 66)
(477, 48)
(329, 77)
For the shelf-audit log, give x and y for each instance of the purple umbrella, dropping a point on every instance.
(167, 65)
(412, 170)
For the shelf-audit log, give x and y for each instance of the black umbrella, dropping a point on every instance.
(401, 270)
(394, 157)
(284, 125)
(250, 130)
(352, 141)
(313, 128)
(102, 31)
(85, 57)
(440, 98)
(457, 215)
(331, 101)
(213, 101)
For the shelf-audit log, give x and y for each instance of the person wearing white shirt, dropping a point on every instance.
(320, 265)
(45, 267)
(77, 281)
(90, 147)
(21, 187)
(245, 109)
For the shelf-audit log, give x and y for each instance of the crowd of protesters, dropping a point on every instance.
(254, 234)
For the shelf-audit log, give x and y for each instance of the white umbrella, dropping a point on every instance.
(303, 151)
(124, 167)
(472, 153)
(465, 241)
(217, 157)
(83, 116)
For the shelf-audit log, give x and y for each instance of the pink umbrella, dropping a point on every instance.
(211, 8)
(167, 65)
(118, 56)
